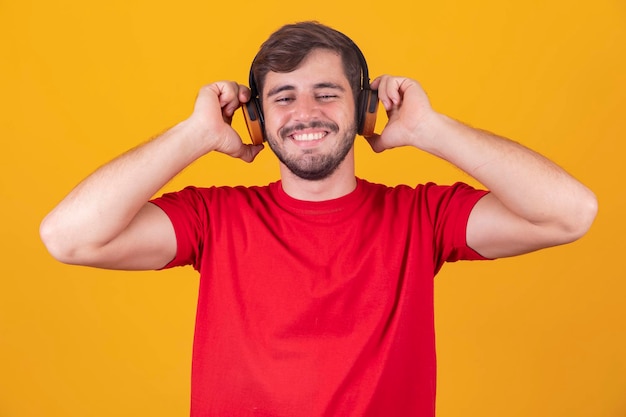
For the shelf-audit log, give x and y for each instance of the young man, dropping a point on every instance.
(316, 291)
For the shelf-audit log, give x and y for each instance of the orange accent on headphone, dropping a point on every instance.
(254, 120)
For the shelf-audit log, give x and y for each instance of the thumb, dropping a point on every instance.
(249, 152)
(375, 143)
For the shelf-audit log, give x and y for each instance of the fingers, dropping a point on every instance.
(391, 90)
(244, 93)
(230, 95)
(213, 113)
(407, 107)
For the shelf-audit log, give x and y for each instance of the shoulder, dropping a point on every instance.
(205, 202)
(428, 200)
(214, 193)
(426, 191)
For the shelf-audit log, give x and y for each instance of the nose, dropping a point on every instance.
(306, 108)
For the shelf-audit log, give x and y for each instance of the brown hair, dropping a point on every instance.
(286, 48)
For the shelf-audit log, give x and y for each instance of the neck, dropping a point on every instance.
(339, 183)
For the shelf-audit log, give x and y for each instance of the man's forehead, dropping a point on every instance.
(322, 68)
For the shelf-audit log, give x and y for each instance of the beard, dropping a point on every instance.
(313, 166)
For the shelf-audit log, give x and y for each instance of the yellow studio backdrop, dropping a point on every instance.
(81, 82)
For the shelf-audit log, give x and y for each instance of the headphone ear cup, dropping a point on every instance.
(254, 121)
(368, 102)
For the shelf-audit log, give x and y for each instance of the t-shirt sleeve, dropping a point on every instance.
(187, 210)
(449, 209)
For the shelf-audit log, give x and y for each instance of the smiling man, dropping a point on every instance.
(335, 316)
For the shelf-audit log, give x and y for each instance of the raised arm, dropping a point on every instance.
(107, 222)
(533, 203)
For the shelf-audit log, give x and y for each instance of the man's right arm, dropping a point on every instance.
(107, 222)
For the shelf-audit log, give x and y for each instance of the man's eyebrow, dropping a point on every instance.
(329, 85)
(280, 89)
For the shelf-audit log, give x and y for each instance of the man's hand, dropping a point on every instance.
(408, 110)
(212, 117)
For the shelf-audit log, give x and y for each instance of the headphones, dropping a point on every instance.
(366, 105)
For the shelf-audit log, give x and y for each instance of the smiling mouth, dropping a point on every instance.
(308, 137)
(316, 130)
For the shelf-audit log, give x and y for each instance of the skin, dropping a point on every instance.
(106, 221)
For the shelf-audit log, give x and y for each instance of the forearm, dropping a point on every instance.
(526, 183)
(104, 204)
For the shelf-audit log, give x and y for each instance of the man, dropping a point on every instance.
(316, 291)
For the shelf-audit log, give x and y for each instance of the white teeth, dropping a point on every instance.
(309, 136)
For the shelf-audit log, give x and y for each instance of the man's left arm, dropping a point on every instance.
(532, 204)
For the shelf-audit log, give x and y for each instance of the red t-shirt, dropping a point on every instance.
(317, 308)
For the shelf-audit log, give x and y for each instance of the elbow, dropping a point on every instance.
(580, 222)
(52, 237)
(69, 244)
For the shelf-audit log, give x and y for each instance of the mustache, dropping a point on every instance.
(315, 124)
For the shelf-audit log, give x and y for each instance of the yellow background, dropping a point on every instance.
(81, 82)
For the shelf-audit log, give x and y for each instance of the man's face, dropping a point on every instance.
(310, 115)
